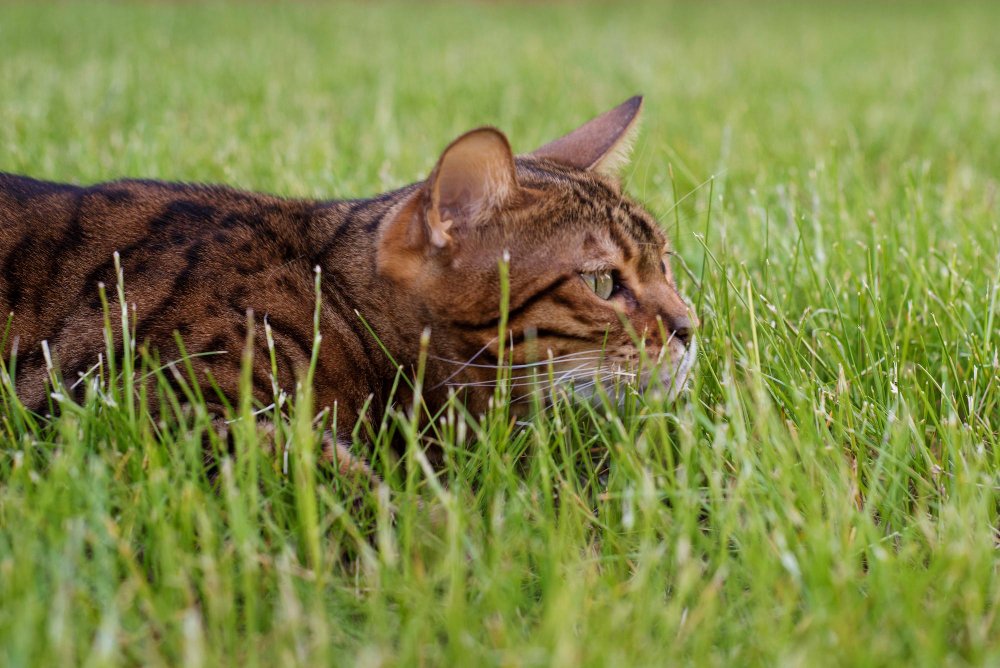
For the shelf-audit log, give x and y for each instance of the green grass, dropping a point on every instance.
(828, 494)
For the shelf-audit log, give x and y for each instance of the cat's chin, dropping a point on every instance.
(675, 375)
(680, 379)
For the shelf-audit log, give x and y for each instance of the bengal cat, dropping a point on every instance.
(589, 278)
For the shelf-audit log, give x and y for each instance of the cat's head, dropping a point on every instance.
(590, 291)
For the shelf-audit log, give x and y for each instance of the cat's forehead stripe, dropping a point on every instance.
(616, 207)
(630, 226)
(620, 209)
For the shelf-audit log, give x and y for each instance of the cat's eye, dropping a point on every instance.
(602, 283)
(667, 254)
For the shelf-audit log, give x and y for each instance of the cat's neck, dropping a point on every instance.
(343, 242)
(344, 239)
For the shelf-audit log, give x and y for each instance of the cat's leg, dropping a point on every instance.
(337, 452)
(334, 450)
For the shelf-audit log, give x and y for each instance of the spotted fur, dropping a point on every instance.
(426, 257)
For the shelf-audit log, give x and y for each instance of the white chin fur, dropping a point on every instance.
(672, 382)
(675, 380)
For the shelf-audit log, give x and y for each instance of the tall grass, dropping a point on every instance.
(827, 492)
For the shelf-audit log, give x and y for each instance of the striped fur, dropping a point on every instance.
(196, 258)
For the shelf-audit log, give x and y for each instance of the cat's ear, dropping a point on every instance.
(474, 176)
(602, 144)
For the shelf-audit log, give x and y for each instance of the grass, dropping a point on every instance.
(828, 493)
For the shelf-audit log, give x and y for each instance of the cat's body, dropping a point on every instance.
(195, 258)
(426, 257)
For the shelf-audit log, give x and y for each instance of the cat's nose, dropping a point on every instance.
(681, 328)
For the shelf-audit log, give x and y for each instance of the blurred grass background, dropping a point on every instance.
(827, 496)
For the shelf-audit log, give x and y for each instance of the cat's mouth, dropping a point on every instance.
(593, 376)
(665, 374)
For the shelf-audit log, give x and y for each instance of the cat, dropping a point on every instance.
(588, 275)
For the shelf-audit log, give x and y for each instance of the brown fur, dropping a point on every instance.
(195, 259)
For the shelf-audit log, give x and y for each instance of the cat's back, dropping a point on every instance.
(117, 208)
(58, 238)
(53, 236)
(190, 255)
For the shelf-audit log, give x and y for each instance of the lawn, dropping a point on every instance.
(826, 494)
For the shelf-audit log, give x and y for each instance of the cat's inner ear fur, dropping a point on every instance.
(473, 179)
(602, 144)
(474, 176)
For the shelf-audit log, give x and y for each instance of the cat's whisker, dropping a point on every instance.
(593, 378)
(547, 376)
(584, 354)
(528, 379)
(523, 381)
(466, 364)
